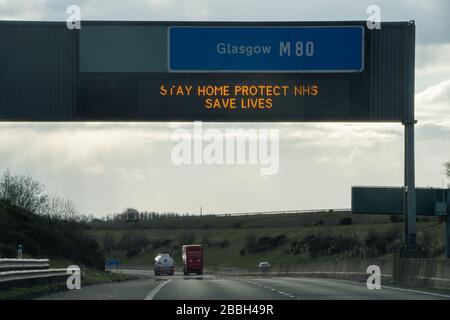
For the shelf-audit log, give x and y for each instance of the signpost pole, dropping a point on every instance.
(410, 188)
(410, 184)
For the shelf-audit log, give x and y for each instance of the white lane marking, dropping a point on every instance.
(271, 289)
(382, 286)
(153, 293)
(418, 291)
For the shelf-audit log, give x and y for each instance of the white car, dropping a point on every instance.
(264, 265)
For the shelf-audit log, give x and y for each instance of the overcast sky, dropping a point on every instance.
(105, 168)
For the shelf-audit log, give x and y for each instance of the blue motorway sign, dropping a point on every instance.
(112, 262)
(266, 49)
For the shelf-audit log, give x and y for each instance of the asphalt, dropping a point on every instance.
(210, 287)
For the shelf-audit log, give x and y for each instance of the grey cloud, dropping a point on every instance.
(433, 104)
(431, 16)
(107, 169)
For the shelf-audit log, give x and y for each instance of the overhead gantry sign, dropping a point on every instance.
(187, 71)
(213, 71)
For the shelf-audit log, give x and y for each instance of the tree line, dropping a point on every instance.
(29, 194)
(25, 192)
(133, 215)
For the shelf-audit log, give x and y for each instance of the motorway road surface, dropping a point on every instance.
(209, 287)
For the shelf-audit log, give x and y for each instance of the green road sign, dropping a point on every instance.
(390, 200)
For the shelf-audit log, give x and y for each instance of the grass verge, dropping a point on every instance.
(92, 277)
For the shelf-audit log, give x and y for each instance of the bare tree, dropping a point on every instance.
(23, 192)
(29, 194)
(447, 170)
(61, 209)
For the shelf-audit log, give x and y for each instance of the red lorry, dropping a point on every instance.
(192, 255)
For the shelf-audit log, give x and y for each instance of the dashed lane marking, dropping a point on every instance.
(287, 294)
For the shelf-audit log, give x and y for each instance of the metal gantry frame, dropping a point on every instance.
(409, 202)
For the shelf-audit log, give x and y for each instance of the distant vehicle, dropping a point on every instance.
(164, 264)
(264, 265)
(192, 255)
